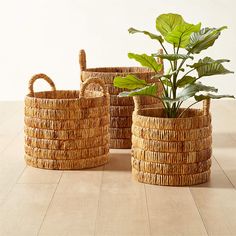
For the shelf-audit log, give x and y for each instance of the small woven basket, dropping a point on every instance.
(67, 129)
(121, 108)
(171, 151)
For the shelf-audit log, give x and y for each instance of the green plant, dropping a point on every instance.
(178, 83)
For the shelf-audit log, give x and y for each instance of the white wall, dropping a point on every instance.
(46, 35)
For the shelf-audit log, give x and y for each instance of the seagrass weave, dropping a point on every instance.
(171, 151)
(67, 129)
(121, 108)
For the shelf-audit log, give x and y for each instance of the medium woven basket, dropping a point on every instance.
(121, 108)
(67, 129)
(171, 151)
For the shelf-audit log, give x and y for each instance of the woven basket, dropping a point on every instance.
(121, 108)
(67, 129)
(171, 151)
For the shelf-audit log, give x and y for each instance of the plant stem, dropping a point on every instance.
(174, 85)
(181, 64)
(163, 48)
(188, 72)
(164, 105)
(166, 53)
(187, 108)
(166, 93)
(179, 44)
(179, 104)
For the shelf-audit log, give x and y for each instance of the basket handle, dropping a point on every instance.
(93, 80)
(82, 60)
(205, 107)
(40, 76)
(137, 103)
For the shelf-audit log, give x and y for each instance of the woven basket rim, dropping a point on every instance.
(134, 69)
(29, 96)
(167, 118)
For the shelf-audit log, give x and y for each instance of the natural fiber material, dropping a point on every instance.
(171, 157)
(171, 151)
(67, 129)
(171, 180)
(121, 108)
(120, 133)
(51, 154)
(171, 169)
(67, 124)
(66, 164)
(122, 142)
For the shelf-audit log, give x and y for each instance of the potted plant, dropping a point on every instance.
(172, 145)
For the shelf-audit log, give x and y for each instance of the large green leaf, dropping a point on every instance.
(147, 61)
(129, 82)
(203, 39)
(166, 23)
(186, 80)
(175, 30)
(150, 90)
(180, 36)
(173, 57)
(207, 67)
(212, 96)
(206, 61)
(151, 35)
(191, 89)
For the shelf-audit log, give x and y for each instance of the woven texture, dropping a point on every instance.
(171, 151)
(67, 129)
(121, 108)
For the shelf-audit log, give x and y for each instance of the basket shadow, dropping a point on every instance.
(216, 181)
(119, 161)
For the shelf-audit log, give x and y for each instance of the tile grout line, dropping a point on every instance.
(99, 199)
(49, 204)
(203, 222)
(13, 185)
(234, 187)
(149, 223)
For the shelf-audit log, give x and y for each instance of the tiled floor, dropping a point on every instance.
(105, 200)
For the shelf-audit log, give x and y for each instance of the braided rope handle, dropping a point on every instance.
(40, 76)
(82, 60)
(205, 107)
(137, 103)
(93, 80)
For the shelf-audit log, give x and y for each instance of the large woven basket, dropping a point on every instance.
(171, 151)
(67, 129)
(121, 108)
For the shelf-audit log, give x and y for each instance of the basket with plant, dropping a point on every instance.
(172, 145)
